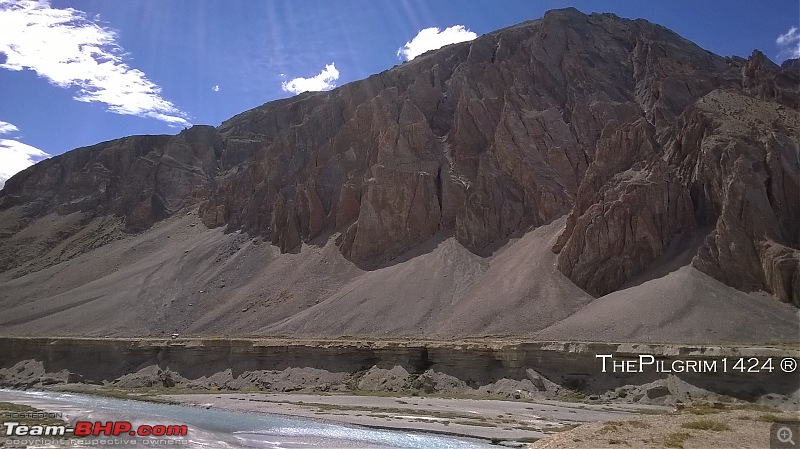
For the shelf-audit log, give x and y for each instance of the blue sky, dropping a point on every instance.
(74, 73)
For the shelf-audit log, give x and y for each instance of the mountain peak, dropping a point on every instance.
(660, 154)
(564, 12)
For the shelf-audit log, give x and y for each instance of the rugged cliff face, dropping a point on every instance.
(142, 179)
(639, 135)
(729, 163)
(124, 185)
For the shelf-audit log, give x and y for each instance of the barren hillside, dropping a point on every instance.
(573, 177)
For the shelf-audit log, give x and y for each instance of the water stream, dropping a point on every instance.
(209, 428)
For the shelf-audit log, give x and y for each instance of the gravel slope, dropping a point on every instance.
(181, 277)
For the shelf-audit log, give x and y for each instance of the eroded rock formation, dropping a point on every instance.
(640, 135)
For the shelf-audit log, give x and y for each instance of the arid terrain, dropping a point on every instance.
(196, 281)
(496, 187)
(574, 177)
(551, 424)
(515, 393)
(472, 226)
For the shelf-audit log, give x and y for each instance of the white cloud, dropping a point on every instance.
(431, 39)
(215, 88)
(326, 80)
(16, 156)
(6, 128)
(68, 49)
(789, 43)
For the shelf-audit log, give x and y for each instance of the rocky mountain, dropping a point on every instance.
(659, 153)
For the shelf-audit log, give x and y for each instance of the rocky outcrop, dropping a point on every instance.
(127, 184)
(763, 78)
(32, 374)
(142, 179)
(740, 158)
(150, 377)
(730, 162)
(483, 139)
(88, 197)
(640, 135)
(630, 207)
(380, 379)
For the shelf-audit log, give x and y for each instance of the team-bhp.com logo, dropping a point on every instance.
(97, 428)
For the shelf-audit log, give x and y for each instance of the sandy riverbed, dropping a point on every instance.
(545, 424)
(486, 419)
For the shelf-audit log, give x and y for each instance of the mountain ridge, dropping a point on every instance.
(638, 136)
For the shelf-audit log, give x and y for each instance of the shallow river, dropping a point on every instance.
(212, 428)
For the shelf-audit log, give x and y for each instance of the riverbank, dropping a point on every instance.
(492, 420)
(697, 427)
(506, 370)
(207, 427)
(536, 425)
(531, 424)
(486, 369)
(492, 389)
